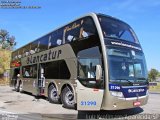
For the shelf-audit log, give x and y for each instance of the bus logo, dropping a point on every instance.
(135, 90)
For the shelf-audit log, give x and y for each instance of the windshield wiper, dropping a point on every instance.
(131, 83)
(141, 78)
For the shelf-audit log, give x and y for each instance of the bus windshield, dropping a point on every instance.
(116, 29)
(125, 64)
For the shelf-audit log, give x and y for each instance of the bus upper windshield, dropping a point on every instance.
(116, 29)
(125, 64)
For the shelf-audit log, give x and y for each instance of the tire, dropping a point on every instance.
(20, 87)
(68, 98)
(15, 84)
(17, 87)
(53, 96)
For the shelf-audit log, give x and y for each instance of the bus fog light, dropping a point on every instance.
(117, 94)
(114, 105)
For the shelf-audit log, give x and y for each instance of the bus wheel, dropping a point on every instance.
(68, 98)
(20, 87)
(17, 87)
(53, 95)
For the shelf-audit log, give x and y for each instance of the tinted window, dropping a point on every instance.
(30, 71)
(88, 27)
(35, 46)
(56, 38)
(14, 55)
(20, 53)
(87, 61)
(43, 45)
(80, 29)
(72, 31)
(26, 50)
(56, 70)
(116, 29)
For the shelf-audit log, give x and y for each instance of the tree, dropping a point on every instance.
(7, 44)
(6, 41)
(153, 73)
(159, 74)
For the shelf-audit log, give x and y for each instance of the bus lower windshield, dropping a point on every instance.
(126, 64)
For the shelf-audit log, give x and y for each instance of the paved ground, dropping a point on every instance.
(23, 106)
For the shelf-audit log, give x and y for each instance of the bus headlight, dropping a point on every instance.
(117, 94)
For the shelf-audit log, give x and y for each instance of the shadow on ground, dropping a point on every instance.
(108, 114)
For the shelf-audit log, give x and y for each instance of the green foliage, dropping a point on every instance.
(6, 41)
(159, 74)
(153, 73)
(5, 57)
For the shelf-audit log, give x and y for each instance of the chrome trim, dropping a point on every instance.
(133, 98)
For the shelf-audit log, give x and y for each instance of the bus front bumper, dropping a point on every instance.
(117, 103)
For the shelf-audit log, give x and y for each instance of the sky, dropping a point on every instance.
(142, 15)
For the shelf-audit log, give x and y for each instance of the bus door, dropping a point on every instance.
(89, 85)
(41, 80)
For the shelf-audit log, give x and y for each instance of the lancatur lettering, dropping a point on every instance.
(44, 57)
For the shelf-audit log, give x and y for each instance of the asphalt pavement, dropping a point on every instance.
(24, 106)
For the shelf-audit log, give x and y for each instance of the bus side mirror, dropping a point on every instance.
(98, 72)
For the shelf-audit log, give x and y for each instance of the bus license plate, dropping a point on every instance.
(137, 103)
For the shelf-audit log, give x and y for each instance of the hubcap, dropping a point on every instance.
(20, 88)
(53, 94)
(69, 98)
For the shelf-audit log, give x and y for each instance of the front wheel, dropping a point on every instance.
(68, 98)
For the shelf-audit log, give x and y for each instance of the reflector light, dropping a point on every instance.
(137, 103)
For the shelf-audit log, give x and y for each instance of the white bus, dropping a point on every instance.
(93, 63)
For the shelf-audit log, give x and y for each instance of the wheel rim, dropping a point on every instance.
(53, 94)
(20, 87)
(69, 97)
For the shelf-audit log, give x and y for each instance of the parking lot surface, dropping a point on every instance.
(24, 106)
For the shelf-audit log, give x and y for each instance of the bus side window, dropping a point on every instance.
(71, 31)
(26, 72)
(30, 71)
(87, 28)
(26, 50)
(43, 43)
(56, 38)
(34, 47)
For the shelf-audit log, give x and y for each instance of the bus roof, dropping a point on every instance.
(90, 14)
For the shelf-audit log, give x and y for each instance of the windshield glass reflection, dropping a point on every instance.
(125, 64)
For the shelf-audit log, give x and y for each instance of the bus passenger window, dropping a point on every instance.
(26, 50)
(56, 38)
(71, 31)
(30, 71)
(88, 28)
(43, 45)
(34, 47)
(25, 72)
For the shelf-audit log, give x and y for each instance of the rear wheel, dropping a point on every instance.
(68, 98)
(17, 86)
(53, 96)
(20, 87)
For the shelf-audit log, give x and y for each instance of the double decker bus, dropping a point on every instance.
(93, 63)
